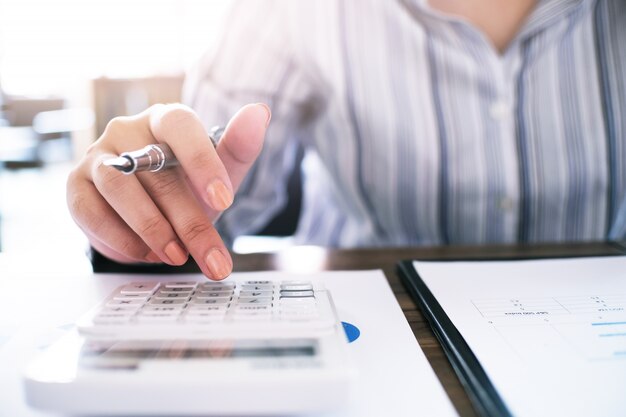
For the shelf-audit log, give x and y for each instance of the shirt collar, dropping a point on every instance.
(544, 14)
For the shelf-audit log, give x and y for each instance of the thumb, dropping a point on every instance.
(242, 141)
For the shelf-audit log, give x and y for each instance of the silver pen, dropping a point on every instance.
(154, 157)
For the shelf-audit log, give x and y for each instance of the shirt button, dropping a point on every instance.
(505, 204)
(500, 110)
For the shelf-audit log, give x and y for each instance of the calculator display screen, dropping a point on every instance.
(128, 354)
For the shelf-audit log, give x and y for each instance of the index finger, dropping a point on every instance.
(179, 127)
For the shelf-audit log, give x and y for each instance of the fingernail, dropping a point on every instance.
(268, 113)
(217, 264)
(176, 253)
(152, 257)
(220, 197)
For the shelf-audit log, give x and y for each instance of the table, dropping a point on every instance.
(311, 259)
(307, 259)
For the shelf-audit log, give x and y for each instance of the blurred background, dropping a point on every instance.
(66, 68)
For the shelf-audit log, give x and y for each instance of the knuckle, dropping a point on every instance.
(132, 248)
(176, 116)
(77, 205)
(110, 179)
(72, 180)
(92, 149)
(195, 228)
(85, 216)
(165, 184)
(152, 226)
(116, 125)
(122, 132)
(200, 161)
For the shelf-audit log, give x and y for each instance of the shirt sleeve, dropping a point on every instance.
(253, 61)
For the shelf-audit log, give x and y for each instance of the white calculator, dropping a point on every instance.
(240, 347)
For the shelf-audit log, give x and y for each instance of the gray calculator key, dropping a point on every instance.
(181, 284)
(256, 293)
(296, 286)
(142, 297)
(250, 308)
(210, 301)
(140, 288)
(172, 296)
(211, 308)
(176, 290)
(213, 294)
(120, 308)
(257, 287)
(174, 301)
(163, 308)
(152, 318)
(160, 313)
(255, 300)
(132, 302)
(216, 286)
(292, 294)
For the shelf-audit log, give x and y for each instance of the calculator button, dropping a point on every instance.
(214, 294)
(248, 308)
(174, 301)
(294, 294)
(160, 313)
(152, 318)
(216, 286)
(131, 302)
(163, 308)
(176, 290)
(142, 297)
(215, 309)
(255, 293)
(210, 301)
(255, 300)
(120, 308)
(257, 287)
(140, 288)
(215, 289)
(296, 286)
(172, 296)
(181, 284)
(259, 282)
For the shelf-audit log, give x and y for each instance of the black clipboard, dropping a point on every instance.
(478, 386)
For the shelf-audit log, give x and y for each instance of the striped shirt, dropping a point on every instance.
(417, 131)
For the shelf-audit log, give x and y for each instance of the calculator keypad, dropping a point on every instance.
(208, 302)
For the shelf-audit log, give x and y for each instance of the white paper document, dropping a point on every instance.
(550, 334)
(395, 378)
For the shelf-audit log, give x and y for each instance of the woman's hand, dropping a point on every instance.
(165, 216)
